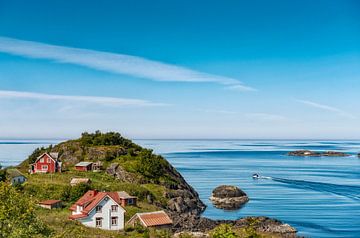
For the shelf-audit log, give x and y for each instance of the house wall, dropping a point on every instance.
(106, 214)
(47, 161)
(18, 179)
(84, 168)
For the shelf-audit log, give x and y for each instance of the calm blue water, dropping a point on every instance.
(319, 196)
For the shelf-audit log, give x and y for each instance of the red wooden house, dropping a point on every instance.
(46, 163)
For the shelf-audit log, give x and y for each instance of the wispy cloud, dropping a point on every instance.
(110, 101)
(240, 88)
(114, 63)
(326, 108)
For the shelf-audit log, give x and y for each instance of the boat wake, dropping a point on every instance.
(352, 192)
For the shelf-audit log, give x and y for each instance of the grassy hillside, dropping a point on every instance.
(127, 167)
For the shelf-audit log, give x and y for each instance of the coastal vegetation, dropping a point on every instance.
(126, 167)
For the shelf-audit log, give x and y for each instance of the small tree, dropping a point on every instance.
(223, 231)
(17, 217)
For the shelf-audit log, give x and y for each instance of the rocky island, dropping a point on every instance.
(228, 197)
(316, 153)
(141, 173)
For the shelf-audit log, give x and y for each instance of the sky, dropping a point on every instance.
(180, 69)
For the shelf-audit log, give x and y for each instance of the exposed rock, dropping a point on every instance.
(314, 153)
(228, 197)
(334, 154)
(304, 153)
(120, 173)
(265, 224)
(195, 223)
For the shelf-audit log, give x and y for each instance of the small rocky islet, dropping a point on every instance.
(310, 153)
(228, 197)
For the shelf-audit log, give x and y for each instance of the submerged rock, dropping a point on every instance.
(228, 197)
(315, 153)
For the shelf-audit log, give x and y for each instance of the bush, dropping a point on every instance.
(223, 231)
(73, 193)
(2, 175)
(105, 139)
(17, 216)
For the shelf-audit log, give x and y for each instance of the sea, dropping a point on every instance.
(319, 196)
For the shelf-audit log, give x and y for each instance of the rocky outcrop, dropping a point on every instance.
(260, 224)
(315, 153)
(121, 174)
(228, 197)
(334, 154)
(265, 224)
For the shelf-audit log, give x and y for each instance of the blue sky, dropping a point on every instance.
(180, 69)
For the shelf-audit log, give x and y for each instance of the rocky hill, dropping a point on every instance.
(131, 164)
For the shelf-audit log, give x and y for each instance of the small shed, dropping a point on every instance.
(158, 219)
(76, 181)
(15, 176)
(97, 166)
(50, 204)
(127, 199)
(84, 166)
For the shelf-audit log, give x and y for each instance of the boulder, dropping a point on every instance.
(228, 197)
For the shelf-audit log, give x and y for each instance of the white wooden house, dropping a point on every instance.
(100, 210)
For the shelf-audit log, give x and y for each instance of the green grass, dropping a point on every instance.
(51, 186)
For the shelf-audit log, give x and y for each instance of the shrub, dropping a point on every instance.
(223, 231)
(17, 217)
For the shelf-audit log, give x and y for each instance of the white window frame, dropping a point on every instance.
(114, 221)
(98, 221)
(130, 201)
(42, 160)
(44, 167)
(114, 208)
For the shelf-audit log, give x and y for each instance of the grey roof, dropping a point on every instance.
(54, 155)
(14, 173)
(84, 163)
(80, 180)
(124, 195)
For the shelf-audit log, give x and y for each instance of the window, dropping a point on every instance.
(42, 160)
(44, 167)
(114, 208)
(114, 221)
(98, 222)
(98, 209)
(130, 201)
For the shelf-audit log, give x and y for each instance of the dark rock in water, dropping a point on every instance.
(314, 153)
(304, 153)
(228, 197)
(334, 154)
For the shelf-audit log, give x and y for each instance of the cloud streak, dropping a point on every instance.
(109, 101)
(114, 63)
(326, 108)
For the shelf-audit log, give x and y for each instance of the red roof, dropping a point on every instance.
(74, 217)
(90, 200)
(49, 202)
(158, 218)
